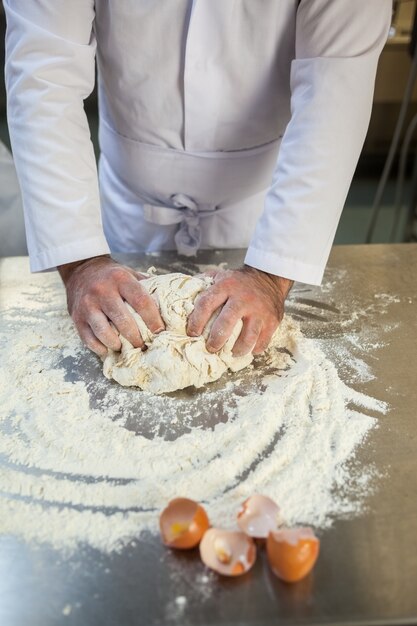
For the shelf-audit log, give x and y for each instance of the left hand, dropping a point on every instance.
(246, 294)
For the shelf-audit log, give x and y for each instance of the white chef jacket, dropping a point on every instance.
(222, 122)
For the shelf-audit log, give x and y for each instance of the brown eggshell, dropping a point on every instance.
(183, 523)
(227, 552)
(292, 553)
(258, 516)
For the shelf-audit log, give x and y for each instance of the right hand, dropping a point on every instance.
(97, 290)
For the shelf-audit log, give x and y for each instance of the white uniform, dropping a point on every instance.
(223, 123)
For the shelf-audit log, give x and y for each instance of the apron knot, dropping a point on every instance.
(188, 236)
(185, 213)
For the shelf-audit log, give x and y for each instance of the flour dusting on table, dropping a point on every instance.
(84, 461)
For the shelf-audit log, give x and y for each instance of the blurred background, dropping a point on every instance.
(381, 206)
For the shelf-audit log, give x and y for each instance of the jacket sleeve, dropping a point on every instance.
(338, 43)
(50, 52)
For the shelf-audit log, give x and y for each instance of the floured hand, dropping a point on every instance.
(246, 294)
(97, 292)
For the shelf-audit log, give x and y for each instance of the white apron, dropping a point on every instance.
(158, 198)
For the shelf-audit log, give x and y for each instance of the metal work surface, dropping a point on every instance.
(367, 570)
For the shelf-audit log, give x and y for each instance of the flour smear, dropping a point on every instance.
(84, 461)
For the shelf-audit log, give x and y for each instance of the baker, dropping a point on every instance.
(223, 124)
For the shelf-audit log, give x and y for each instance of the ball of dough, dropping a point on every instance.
(173, 360)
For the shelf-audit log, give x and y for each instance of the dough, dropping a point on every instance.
(172, 360)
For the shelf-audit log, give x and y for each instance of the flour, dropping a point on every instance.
(85, 461)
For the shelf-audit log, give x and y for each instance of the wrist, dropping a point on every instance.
(67, 269)
(283, 285)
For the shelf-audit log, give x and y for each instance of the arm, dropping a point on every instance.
(338, 43)
(50, 51)
(337, 46)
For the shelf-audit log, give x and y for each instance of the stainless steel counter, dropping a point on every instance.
(367, 571)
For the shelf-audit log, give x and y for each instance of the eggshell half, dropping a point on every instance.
(227, 552)
(259, 516)
(292, 553)
(183, 523)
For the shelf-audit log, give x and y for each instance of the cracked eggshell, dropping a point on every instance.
(292, 553)
(183, 523)
(259, 516)
(231, 553)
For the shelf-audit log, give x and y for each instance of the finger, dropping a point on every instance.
(223, 327)
(101, 328)
(248, 337)
(140, 300)
(138, 275)
(119, 315)
(91, 341)
(211, 273)
(264, 339)
(205, 305)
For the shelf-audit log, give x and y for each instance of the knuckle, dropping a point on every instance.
(223, 275)
(256, 326)
(119, 274)
(235, 306)
(98, 327)
(225, 283)
(204, 302)
(229, 318)
(131, 334)
(142, 301)
(250, 338)
(231, 285)
(87, 301)
(218, 333)
(234, 282)
(92, 345)
(264, 342)
(217, 338)
(99, 330)
(119, 318)
(96, 289)
(89, 305)
(77, 318)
